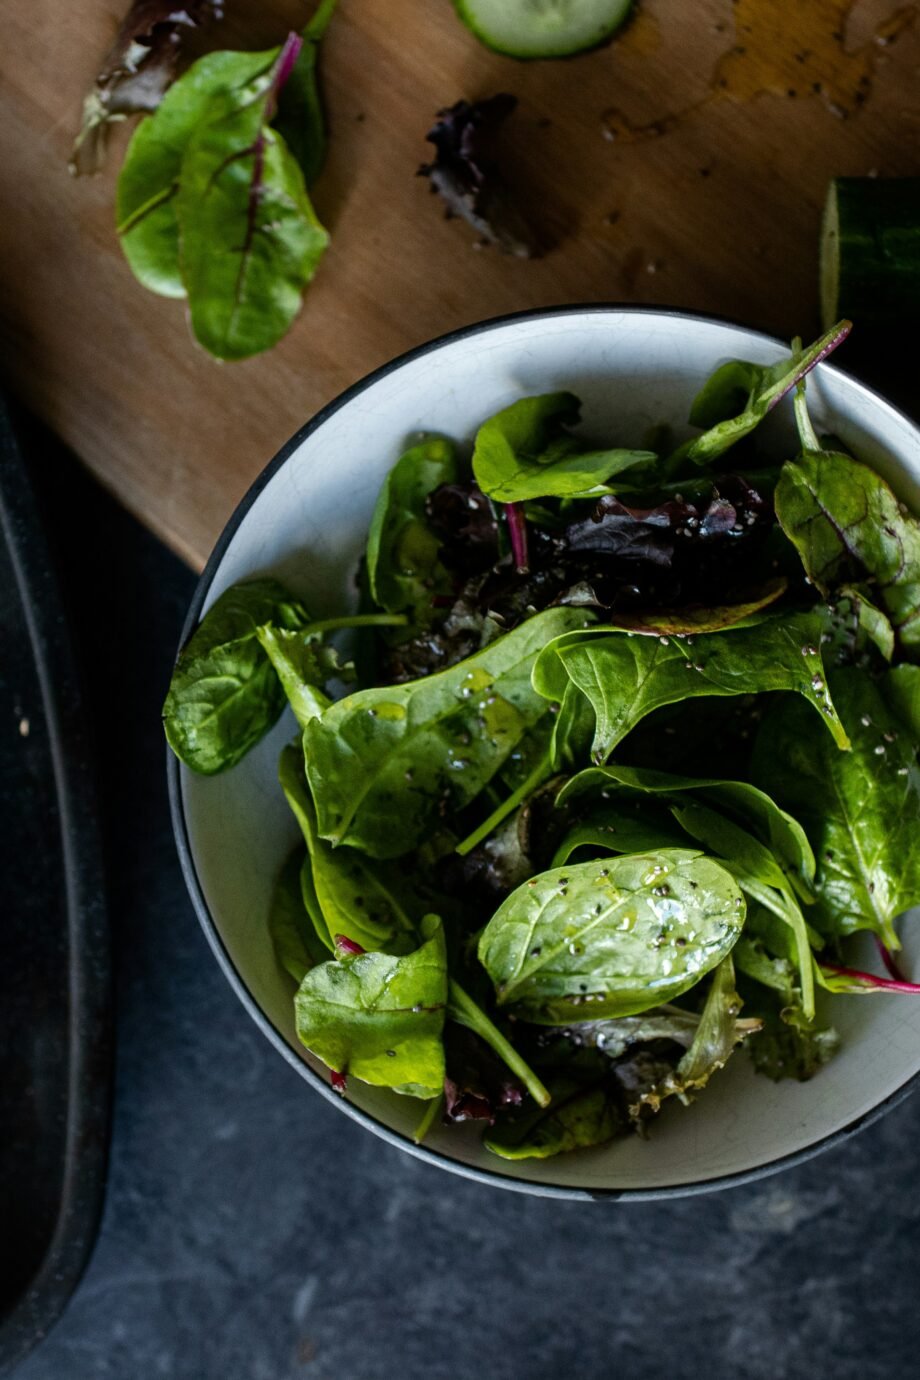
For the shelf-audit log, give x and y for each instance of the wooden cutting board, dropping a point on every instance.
(684, 164)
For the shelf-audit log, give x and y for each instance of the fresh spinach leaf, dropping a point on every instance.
(386, 764)
(149, 177)
(579, 1115)
(621, 934)
(860, 809)
(620, 828)
(717, 1035)
(740, 394)
(900, 689)
(848, 526)
(300, 120)
(303, 665)
(624, 678)
(249, 240)
(355, 899)
(404, 568)
(380, 1016)
(780, 832)
(526, 451)
(224, 695)
(297, 945)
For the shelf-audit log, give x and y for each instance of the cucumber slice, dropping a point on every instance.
(542, 28)
(870, 251)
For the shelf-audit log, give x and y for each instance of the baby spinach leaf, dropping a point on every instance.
(847, 525)
(354, 899)
(860, 809)
(780, 832)
(404, 569)
(623, 934)
(578, 1116)
(379, 1016)
(624, 678)
(297, 945)
(526, 451)
(620, 829)
(249, 238)
(300, 120)
(900, 689)
(149, 177)
(386, 764)
(718, 1033)
(303, 665)
(224, 695)
(740, 394)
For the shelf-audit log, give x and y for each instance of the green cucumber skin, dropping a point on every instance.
(878, 220)
(621, 11)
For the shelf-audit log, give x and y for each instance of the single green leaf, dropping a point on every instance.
(624, 678)
(379, 1016)
(717, 1035)
(224, 695)
(303, 665)
(526, 451)
(300, 120)
(386, 764)
(404, 569)
(297, 946)
(620, 828)
(149, 177)
(739, 395)
(621, 934)
(900, 689)
(249, 238)
(578, 1116)
(355, 899)
(779, 831)
(848, 526)
(690, 621)
(860, 809)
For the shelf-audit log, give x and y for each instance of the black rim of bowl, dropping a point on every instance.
(494, 1178)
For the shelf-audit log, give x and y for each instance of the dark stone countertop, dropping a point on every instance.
(252, 1232)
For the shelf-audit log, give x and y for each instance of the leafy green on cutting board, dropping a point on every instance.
(537, 29)
(611, 937)
(300, 120)
(379, 1016)
(224, 694)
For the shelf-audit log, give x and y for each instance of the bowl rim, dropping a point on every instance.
(493, 1178)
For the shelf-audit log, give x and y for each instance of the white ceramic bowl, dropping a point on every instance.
(305, 520)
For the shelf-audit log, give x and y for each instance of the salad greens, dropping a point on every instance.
(212, 201)
(632, 757)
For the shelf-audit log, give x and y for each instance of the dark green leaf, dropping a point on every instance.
(578, 1116)
(404, 569)
(303, 665)
(526, 451)
(853, 625)
(380, 1016)
(620, 828)
(300, 120)
(249, 239)
(848, 526)
(900, 689)
(354, 898)
(619, 934)
(224, 695)
(860, 808)
(149, 178)
(624, 678)
(297, 945)
(386, 764)
(694, 620)
(739, 395)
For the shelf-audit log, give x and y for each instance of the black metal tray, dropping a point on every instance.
(55, 1016)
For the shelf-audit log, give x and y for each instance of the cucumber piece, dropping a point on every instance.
(542, 28)
(870, 251)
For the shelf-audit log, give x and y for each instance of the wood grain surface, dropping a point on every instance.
(684, 164)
